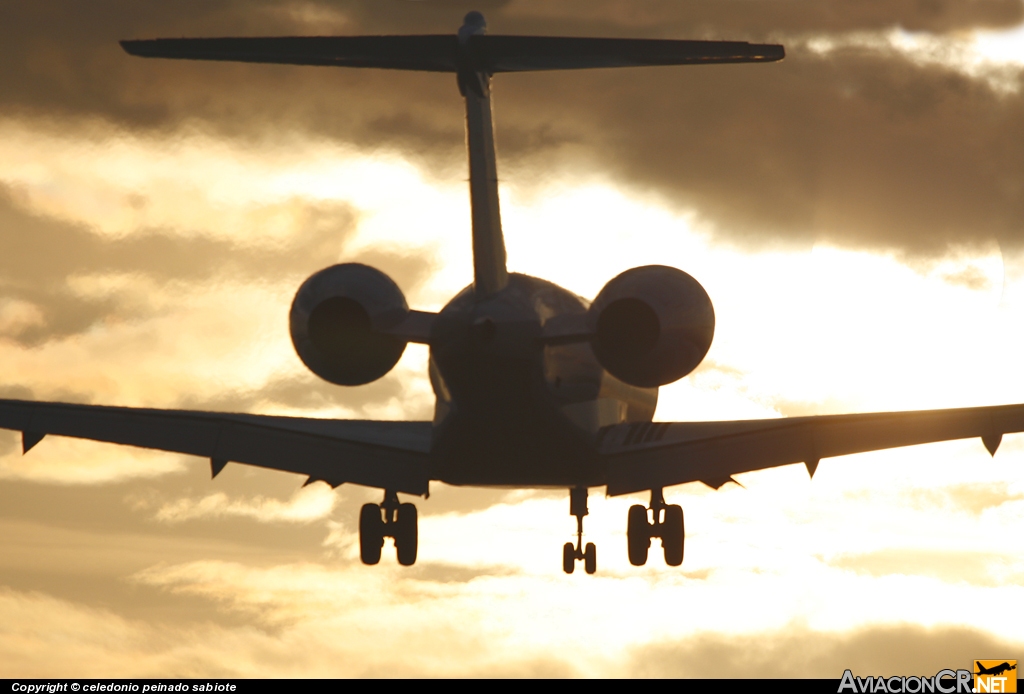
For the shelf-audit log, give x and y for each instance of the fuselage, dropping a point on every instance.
(512, 410)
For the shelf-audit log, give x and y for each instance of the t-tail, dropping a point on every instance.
(474, 57)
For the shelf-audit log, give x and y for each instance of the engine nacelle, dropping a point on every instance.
(335, 319)
(652, 325)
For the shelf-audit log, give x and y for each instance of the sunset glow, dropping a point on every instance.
(152, 263)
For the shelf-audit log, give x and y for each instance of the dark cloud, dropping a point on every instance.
(863, 147)
(801, 653)
(859, 147)
(83, 542)
(756, 20)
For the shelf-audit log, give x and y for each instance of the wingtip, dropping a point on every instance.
(137, 47)
(771, 52)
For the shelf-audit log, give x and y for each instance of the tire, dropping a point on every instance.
(568, 558)
(672, 535)
(590, 558)
(638, 535)
(406, 535)
(371, 534)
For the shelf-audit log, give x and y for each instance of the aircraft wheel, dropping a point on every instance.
(638, 535)
(672, 535)
(371, 533)
(568, 558)
(406, 536)
(590, 558)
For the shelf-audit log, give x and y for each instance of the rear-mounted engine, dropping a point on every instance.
(336, 321)
(652, 325)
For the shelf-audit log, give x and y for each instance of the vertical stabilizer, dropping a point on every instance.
(489, 272)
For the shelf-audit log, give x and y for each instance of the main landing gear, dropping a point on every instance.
(667, 524)
(571, 554)
(398, 521)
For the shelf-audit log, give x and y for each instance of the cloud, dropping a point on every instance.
(127, 648)
(304, 391)
(677, 18)
(802, 653)
(256, 597)
(859, 148)
(45, 263)
(306, 505)
(60, 278)
(974, 497)
(98, 643)
(979, 568)
(864, 146)
(161, 277)
(47, 637)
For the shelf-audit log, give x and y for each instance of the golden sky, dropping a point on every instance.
(856, 214)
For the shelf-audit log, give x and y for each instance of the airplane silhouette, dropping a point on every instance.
(534, 386)
(995, 669)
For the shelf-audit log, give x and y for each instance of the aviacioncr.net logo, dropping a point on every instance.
(942, 682)
(995, 676)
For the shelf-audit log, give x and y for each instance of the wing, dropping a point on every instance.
(649, 455)
(388, 455)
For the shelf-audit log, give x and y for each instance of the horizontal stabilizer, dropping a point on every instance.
(523, 53)
(430, 53)
(444, 53)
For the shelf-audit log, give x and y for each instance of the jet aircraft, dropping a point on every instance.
(995, 669)
(535, 387)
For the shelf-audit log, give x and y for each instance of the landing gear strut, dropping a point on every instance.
(667, 524)
(398, 521)
(571, 554)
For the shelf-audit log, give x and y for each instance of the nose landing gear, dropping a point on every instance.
(667, 524)
(571, 554)
(399, 521)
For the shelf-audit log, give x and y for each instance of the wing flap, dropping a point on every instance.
(650, 455)
(388, 455)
